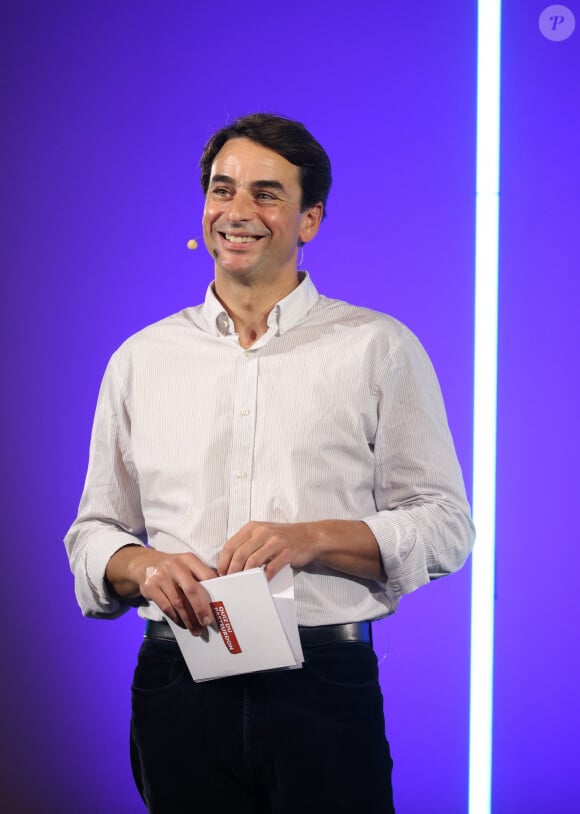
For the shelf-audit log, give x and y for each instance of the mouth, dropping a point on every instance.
(238, 239)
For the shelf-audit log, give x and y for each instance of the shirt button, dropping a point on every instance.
(244, 411)
(240, 473)
(248, 353)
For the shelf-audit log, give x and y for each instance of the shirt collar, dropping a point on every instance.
(287, 313)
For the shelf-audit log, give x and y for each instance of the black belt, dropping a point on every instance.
(309, 636)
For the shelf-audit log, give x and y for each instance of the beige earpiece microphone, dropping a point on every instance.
(192, 244)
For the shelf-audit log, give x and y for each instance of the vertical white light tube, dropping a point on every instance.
(485, 392)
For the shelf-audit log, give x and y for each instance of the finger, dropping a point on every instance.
(173, 587)
(260, 551)
(250, 555)
(234, 553)
(172, 607)
(198, 604)
(191, 602)
(275, 564)
(198, 568)
(185, 612)
(224, 561)
(236, 546)
(260, 557)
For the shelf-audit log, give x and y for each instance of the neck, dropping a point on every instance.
(250, 305)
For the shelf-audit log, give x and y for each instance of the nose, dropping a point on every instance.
(241, 207)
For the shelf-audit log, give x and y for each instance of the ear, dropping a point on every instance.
(311, 220)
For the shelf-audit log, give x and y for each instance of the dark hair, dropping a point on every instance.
(289, 139)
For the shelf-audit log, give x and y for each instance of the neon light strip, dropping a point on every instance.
(484, 412)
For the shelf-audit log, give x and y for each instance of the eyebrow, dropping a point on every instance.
(263, 184)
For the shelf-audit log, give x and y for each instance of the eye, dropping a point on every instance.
(265, 196)
(220, 192)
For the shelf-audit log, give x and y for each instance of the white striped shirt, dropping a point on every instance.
(334, 413)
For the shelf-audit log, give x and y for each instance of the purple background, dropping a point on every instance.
(105, 109)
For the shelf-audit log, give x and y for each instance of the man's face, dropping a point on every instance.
(252, 220)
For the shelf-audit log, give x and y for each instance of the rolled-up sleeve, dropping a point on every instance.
(109, 515)
(423, 525)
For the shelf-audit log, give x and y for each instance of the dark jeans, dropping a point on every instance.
(282, 742)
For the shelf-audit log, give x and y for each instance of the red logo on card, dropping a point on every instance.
(223, 622)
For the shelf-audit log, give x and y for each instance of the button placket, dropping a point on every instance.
(243, 440)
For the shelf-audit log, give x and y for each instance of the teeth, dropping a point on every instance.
(240, 238)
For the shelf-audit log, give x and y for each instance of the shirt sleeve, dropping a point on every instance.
(109, 515)
(423, 524)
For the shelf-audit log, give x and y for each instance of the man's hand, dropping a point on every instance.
(345, 545)
(169, 580)
(273, 545)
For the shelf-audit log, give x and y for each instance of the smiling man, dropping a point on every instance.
(268, 426)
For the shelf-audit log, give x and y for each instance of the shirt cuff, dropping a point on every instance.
(402, 555)
(95, 598)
